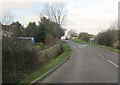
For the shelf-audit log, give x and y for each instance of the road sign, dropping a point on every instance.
(32, 39)
(91, 38)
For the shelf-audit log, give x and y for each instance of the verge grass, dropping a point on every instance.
(102, 46)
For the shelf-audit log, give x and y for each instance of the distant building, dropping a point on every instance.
(75, 36)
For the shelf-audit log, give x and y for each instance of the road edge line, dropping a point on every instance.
(49, 72)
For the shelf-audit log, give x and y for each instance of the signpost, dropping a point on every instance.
(92, 40)
(32, 39)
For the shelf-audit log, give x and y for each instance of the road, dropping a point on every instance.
(87, 64)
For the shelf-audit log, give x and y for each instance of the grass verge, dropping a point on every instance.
(106, 47)
(49, 66)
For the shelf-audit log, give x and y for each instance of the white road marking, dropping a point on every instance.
(107, 60)
(80, 46)
(98, 54)
(113, 63)
(101, 55)
(85, 45)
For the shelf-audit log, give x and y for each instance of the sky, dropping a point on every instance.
(90, 16)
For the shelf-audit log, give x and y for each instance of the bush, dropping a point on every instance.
(16, 60)
(19, 59)
(84, 36)
(108, 37)
(50, 40)
(46, 27)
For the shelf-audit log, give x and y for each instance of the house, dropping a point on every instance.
(75, 36)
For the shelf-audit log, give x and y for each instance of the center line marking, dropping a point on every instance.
(113, 63)
(101, 56)
(80, 46)
(108, 60)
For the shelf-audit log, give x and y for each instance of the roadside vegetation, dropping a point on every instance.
(88, 43)
(108, 39)
(20, 58)
(48, 66)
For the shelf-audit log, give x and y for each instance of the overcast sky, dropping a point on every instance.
(90, 16)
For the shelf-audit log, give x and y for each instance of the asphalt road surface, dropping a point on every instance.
(87, 64)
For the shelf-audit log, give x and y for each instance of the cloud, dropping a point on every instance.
(34, 0)
(30, 18)
(92, 17)
(83, 15)
(23, 12)
(16, 5)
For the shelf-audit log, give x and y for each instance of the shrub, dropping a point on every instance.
(84, 36)
(19, 59)
(108, 37)
(16, 60)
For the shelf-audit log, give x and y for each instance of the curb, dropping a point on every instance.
(49, 72)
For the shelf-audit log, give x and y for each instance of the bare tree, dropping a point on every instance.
(114, 25)
(6, 18)
(56, 12)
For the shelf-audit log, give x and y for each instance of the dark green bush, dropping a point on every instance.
(84, 36)
(107, 37)
(19, 59)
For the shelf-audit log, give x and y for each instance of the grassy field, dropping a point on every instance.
(106, 47)
(49, 66)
